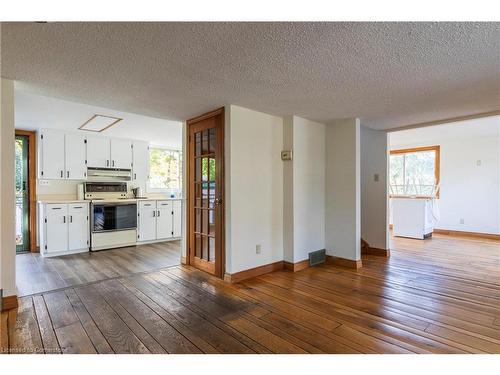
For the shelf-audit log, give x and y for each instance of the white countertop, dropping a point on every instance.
(63, 201)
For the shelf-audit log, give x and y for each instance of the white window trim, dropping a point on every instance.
(150, 189)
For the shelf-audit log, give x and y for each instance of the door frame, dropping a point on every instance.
(220, 176)
(31, 185)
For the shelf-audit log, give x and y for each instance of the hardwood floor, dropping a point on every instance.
(36, 274)
(434, 296)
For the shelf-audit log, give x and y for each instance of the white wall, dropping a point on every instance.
(343, 218)
(7, 190)
(308, 187)
(374, 204)
(468, 191)
(254, 189)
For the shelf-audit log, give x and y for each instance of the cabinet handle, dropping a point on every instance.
(107, 163)
(61, 174)
(154, 213)
(70, 218)
(113, 163)
(135, 176)
(64, 219)
(158, 213)
(67, 174)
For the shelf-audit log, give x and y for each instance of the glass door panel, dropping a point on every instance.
(22, 194)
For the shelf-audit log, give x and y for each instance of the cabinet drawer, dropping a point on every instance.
(57, 208)
(147, 205)
(163, 204)
(78, 207)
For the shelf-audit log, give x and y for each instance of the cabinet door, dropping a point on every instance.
(177, 218)
(140, 164)
(78, 226)
(147, 221)
(98, 152)
(164, 220)
(51, 155)
(76, 155)
(121, 153)
(56, 228)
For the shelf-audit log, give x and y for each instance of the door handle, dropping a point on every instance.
(218, 201)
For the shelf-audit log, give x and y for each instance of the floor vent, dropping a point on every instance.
(317, 257)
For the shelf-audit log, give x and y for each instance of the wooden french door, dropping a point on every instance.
(206, 192)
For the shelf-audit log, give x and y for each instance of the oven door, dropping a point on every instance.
(107, 217)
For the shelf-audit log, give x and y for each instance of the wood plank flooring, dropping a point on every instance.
(435, 296)
(36, 274)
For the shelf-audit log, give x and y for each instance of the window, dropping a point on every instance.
(415, 172)
(165, 170)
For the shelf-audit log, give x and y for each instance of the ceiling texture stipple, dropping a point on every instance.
(388, 74)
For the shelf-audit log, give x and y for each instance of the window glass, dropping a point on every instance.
(413, 172)
(164, 169)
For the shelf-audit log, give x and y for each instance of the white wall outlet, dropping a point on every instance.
(258, 249)
(44, 182)
(462, 221)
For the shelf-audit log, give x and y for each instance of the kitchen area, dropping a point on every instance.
(107, 204)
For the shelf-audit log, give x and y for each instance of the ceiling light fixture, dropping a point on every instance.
(99, 123)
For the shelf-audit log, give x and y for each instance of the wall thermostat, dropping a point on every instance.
(286, 155)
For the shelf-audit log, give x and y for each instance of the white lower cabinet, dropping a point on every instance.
(159, 220)
(147, 221)
(65, 228)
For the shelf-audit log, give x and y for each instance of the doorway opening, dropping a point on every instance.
(25, 191)
(206, 192)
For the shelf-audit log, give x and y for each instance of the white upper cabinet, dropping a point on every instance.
(121, 154)
(98, 154)
(51, 155)
(140, 162)
(76, 155)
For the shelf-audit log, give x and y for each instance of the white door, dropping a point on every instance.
(147, 221)
(78, 226)
(121, 153)
(164, 220)
(56, 228)
(140, 161)
(98, 152)
(177, 218)
(52, 155)
(76, 155)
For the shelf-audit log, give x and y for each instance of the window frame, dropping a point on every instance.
(437, 163)
(150, 189)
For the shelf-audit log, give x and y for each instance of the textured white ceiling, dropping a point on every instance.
(388, 74)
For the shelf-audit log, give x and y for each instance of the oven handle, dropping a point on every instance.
(114, 204)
